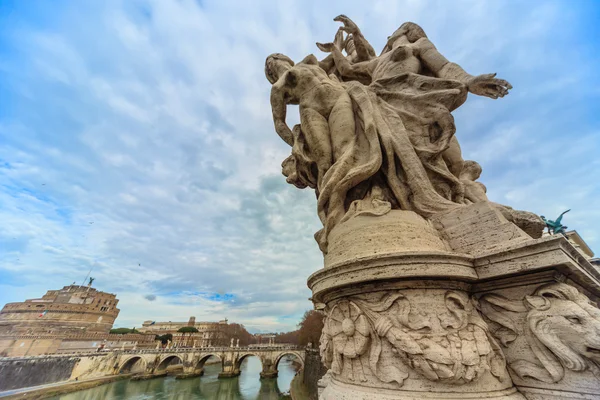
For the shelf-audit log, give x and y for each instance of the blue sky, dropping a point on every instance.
(136, 139)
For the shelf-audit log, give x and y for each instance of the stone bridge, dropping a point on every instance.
(139, 364)
(154, 363)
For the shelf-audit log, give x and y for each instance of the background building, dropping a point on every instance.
(72, 310)
(581, 246)
(209, 333)
(267, 339)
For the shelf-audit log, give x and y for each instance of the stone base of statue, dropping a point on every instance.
(464, 305)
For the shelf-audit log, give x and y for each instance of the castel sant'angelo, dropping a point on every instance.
(75, 318)
(71, 310)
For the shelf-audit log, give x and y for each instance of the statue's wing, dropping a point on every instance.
(560, 216)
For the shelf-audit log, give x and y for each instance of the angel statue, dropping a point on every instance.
(376, 132)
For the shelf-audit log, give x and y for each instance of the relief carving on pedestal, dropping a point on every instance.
(387, 337)
(560, 325)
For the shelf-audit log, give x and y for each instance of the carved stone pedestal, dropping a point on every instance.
(448, 309)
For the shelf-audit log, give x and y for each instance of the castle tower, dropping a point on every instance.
(71, 310)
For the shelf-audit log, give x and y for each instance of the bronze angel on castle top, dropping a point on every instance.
(376, 132)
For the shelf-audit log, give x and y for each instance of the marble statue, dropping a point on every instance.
(376, 132)
(429, 290)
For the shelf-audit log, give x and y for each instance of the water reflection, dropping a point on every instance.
(247, 386)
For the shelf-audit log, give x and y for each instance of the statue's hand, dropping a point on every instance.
(338, 43)
(326, 47)
(349, 25)
(487, 85)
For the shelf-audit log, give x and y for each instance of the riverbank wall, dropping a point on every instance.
(64, 388)
(313, 371)
(23, 372)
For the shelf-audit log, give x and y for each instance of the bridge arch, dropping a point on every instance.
(168, 360)
(286, 353)
(134, 364)
(242, 357)
(204, 358)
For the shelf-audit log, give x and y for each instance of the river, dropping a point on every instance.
(247, 386)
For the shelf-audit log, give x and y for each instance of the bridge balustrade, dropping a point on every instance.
(201, 349)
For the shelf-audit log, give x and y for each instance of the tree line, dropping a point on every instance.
(309, 330)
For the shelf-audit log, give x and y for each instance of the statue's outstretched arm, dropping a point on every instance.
(483, 85)
(364, 50)
(439, 65)
(279, 108)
